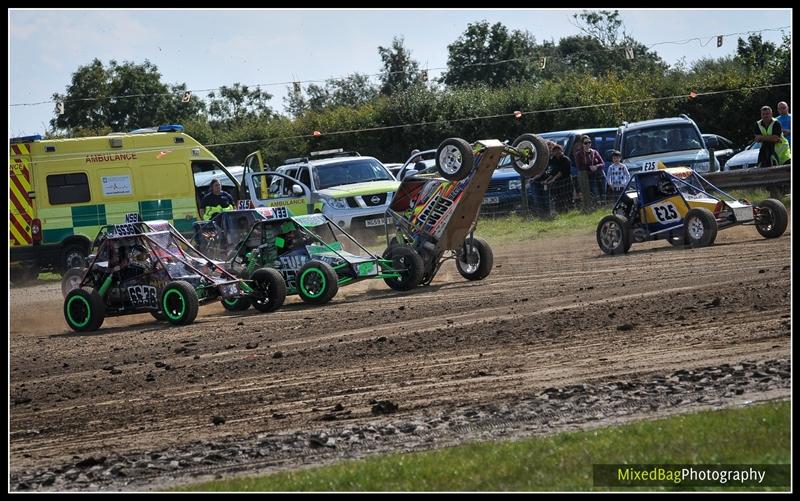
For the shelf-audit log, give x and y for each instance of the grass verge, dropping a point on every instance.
(562, 462)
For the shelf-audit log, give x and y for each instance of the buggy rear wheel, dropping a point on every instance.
(537, 155)
(179, 302)
(71, 280)
(408, 264)
(478, 261)
(454, 159)
(271, 287)
(84, 310)
(317, 283)
(772, 219)
(238, 304)
(614, 235)
(700, 227)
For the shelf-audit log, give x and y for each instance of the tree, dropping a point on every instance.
(238, 103)
(474, 58)
(755, 53)
(399, 71)
(352, 90)
(121, 97)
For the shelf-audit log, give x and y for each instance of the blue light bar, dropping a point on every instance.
(171, 128)
(26, 139)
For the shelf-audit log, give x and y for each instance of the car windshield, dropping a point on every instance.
(350, 172)
(660, 139)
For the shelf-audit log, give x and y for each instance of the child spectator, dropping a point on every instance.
(618, 175)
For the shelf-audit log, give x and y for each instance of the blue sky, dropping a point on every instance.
(209, 48)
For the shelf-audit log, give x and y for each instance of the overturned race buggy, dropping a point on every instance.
(432, 218)
(146, 267)
(680, 206)
(312, 254)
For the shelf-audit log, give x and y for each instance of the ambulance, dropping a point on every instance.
(61, 191)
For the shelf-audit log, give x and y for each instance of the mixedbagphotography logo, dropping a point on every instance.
(691, 475)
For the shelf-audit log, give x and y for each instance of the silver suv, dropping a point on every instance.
(674, 141)
(355, 191)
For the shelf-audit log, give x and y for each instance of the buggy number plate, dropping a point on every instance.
(122, 230)
(132, 217)
(143, 295)
(666, 212)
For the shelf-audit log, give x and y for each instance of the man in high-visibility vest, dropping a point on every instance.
(774, 147)
(216, 201)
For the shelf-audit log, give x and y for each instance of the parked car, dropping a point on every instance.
(675, 141)
(355, 190)
(394, 168)
(744, 159)
(723, 147)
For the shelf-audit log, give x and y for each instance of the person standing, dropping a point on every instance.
(618, 175)
(785, 119)
(558, 182)
(774, 146)
(591, 177)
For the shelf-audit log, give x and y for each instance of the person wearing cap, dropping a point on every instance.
(618, 175)
(590, 173)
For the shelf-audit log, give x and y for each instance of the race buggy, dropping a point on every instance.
(680, 206)
(431, 216)
(149, 267)
(312, 254)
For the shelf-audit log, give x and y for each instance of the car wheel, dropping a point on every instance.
(408, 264)
(317, 282)
(72, 280)
(477, 262)
(84, 310)
(700, 227)
(538, 155)
(614, 235)
(179, 302)
(772, 218)
(271, 288)
(454, 159)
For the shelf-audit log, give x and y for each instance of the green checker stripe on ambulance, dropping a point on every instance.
(56, 236)
(156, 209)
(88, 215)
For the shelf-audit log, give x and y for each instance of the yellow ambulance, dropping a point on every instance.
(61, 191)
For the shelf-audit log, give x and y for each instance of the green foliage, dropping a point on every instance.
(399, 71)
(231, 105)
(94, 99)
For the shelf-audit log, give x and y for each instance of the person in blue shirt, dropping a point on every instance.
(785, 120)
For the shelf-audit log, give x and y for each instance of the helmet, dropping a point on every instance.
(666, 186)
(138, 253)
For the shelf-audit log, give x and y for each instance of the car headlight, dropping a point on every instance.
(515, 184)
(701, 166)
(335, 203)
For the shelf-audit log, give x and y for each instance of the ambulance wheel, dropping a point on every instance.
(73, 256)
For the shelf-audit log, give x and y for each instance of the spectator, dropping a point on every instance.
(216, 201)
(558, 182)
(785, 119)
(590, 174)
(618, 175)
(774, 146)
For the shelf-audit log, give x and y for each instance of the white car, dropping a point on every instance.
(745, 159)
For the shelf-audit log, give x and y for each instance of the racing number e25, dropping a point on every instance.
(665, 213)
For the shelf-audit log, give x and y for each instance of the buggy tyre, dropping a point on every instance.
(84, 310)
(700, 227)
(407, 259)
(478, 261)
(269, 283)
(179, 303)
(773, 219)
(539, 155)
(317, 283)
(454, 159)
(71, 280)
(677, 239)
(614, 235)
(158, 315)
(238, 304)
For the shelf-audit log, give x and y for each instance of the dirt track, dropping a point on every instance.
(552, 313)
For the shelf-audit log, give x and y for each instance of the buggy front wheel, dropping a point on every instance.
(408, 264)
(700, 227)
(614, 235)
(454, 159)
(179, 303)
(271, 288)
(535, 153)
(84, 310)
(772, 218)
(317, 282)
(476, 263)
